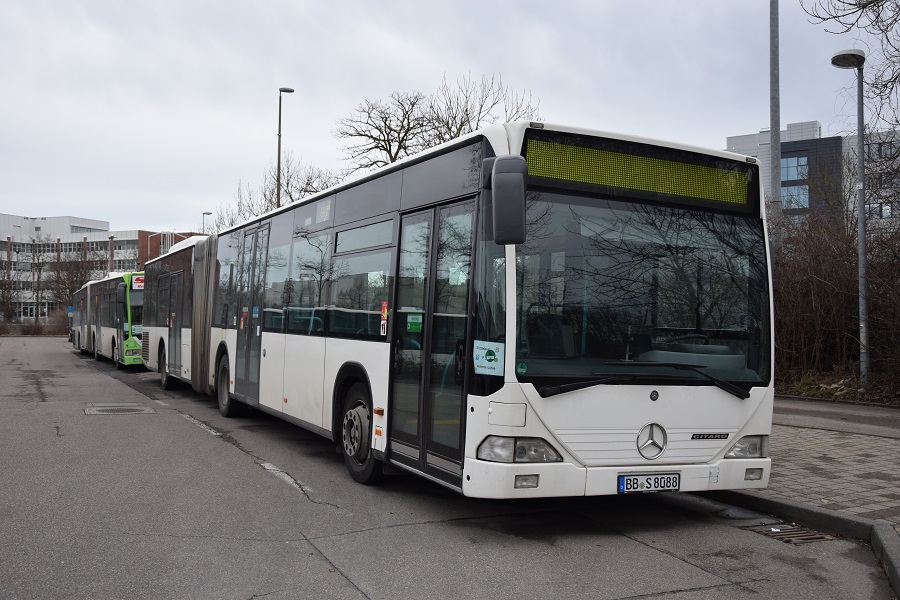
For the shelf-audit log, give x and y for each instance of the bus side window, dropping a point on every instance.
(307, 289)
(358, 293)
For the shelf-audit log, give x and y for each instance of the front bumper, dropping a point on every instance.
(482, 479)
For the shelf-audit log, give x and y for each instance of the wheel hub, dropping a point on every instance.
(356, 433)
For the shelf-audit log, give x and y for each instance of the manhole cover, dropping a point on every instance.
(119, 410)
(790, 534)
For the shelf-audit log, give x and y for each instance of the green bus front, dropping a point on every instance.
(130, 303)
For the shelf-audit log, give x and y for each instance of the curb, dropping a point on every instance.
(883, 537)
(812, 399)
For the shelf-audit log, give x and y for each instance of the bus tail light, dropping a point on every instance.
(521, 450)
(751, 446)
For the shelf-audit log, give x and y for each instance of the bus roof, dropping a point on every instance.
(504, 139)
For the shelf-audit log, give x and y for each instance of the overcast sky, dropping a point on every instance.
(147, 114)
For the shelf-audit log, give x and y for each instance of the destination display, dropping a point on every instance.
(631, 169)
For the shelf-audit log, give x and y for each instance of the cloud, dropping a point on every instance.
(148, 114)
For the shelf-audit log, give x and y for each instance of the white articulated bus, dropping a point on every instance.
(531, 310)
(107, 318)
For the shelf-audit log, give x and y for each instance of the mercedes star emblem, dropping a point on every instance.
(651, 440)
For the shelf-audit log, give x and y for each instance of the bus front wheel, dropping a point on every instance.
(356, 436)
(228, 406)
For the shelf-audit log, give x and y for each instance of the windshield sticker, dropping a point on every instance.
(488, 358)
(414, 323)
(521, 368)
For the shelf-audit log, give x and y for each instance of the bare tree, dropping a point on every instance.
(381, 132)
(454, 111)
(70, 272)
(881, 19)
(247, 203)
(298, 180)
(9, 296)
(42, 257)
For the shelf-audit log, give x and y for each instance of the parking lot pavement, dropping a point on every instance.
(178, 503)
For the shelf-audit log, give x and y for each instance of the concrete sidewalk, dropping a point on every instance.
(845, 472)
(836, 468)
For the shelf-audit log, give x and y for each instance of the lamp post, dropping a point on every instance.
(204, 220)
(855, 59)
(112, 254)
(284, 90)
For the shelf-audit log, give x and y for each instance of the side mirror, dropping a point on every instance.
(120, 293)
(507, 185)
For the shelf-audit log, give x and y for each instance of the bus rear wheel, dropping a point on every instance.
(356, 436)
(228, 406)
(166, 381)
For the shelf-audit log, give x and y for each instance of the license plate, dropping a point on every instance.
(649, 482)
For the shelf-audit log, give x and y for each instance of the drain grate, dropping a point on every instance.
(124, 408)
(790, 533)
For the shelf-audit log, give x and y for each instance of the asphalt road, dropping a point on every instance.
(834, 416)
(178, 502)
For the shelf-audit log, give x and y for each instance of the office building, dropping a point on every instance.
(812, 167)
(35, 252)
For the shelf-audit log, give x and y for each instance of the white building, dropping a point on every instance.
(29, 244)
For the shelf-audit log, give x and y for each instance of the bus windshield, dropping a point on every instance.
(622, 292)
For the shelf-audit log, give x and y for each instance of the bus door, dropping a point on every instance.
(95, 322)
(82, 321)
(123, 331)
(173, 321)
(252, 280)
(428, 391)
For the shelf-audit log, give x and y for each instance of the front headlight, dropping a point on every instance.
(751, 446)
(521, 450)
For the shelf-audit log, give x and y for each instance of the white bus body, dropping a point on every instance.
(624, 345)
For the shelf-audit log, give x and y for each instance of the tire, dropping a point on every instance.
(356, 436)
(228, 406)
(166, 381)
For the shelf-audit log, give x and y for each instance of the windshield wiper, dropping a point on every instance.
(553, 390)
(721, 384)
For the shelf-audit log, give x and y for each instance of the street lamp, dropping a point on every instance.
(204, 219)
(855, 59)
(284, 90)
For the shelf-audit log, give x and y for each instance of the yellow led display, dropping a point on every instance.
(638, 173)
